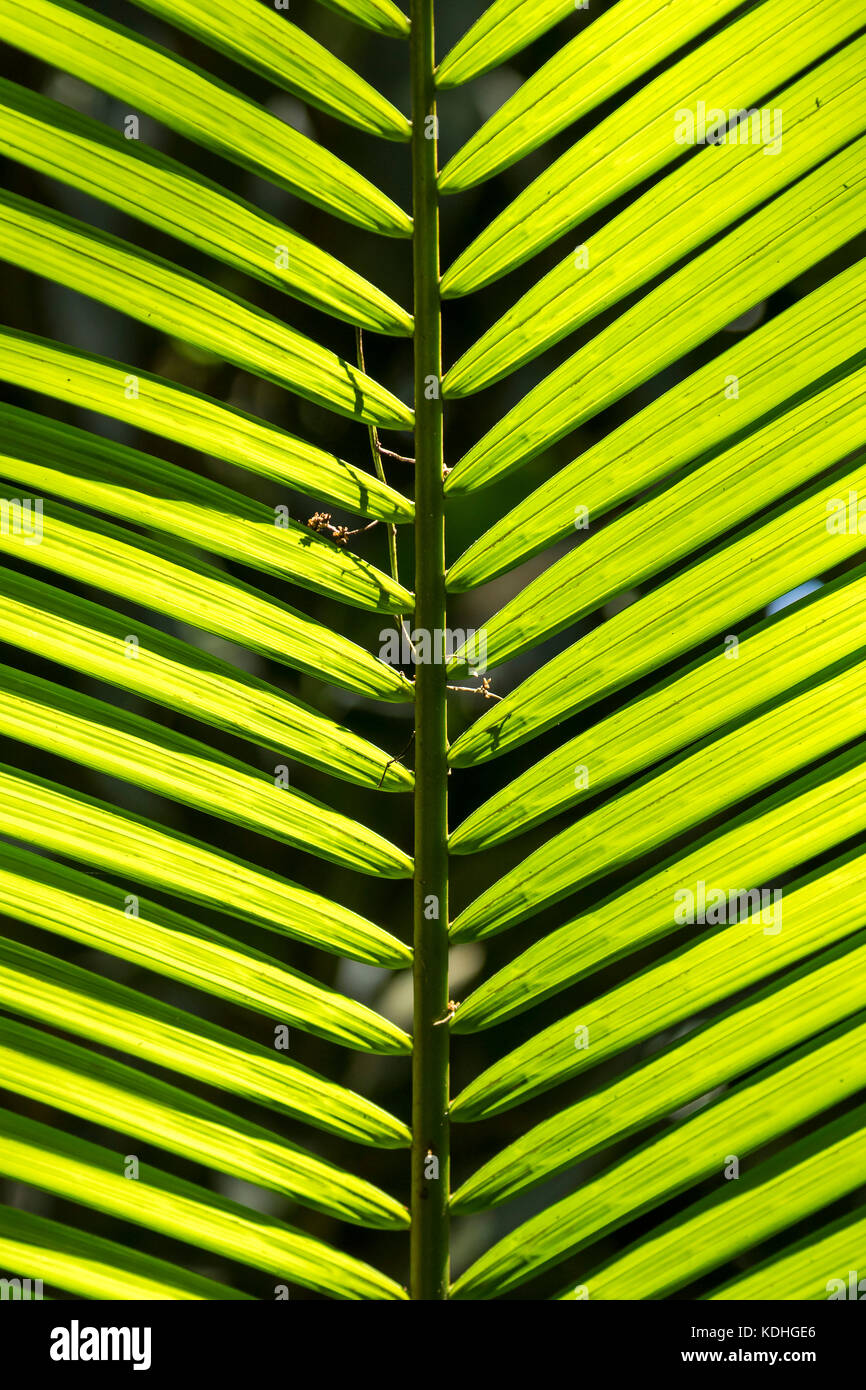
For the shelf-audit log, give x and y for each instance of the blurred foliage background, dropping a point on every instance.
(40, 307)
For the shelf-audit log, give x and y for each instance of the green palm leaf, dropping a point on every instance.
(827, 207)
(505, 27)
(790, 734)
(112, 271)
(62, 900)
(382, 15)
(729, 73)
(707, 781)
(792, 353)
(83, 828)
(214, 115)
(673, 217)
(799, 1088)
(816, 812)
(109, 477)
(592, 66)
(40, 986)
(271, 45)
(90, 731)
(92, 1267)
(773, 657)
(65, 1165)
(99, 1089)
(89, 638)
(800, 1273)
(200, 540)
(821, 911)
(189, 418)
(71, 147)
(724, 591)
(810, 1175)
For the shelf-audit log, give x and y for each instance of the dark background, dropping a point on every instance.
(43, 308)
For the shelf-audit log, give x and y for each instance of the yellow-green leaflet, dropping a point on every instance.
(814, 814)
(731, 583)
(93, 1267)
(697, 200)
(723, 771)
(809, 345)
(382, 15)
(268, 43)
(123, 563)
(72, 1168)
(113, 58)
(39, 986)
(86, 637)
(800, 1005)
(809, 1175)
(61, 900)
(815, 1268)
(825, 209)
(787, 1094)
(68, 724)
(630, 580)
(34, 984)
(187, 307)
(95, 1088)
(760, 941)
(772, 657)
(505, 27)
(618, 46)
(89, 830)
(728, 73)
(97, 552)
(709, 503)
(188, 417)
(147, 184)
(137, 487)
(80, 544)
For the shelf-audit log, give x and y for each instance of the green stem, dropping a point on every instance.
(429, 1251)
